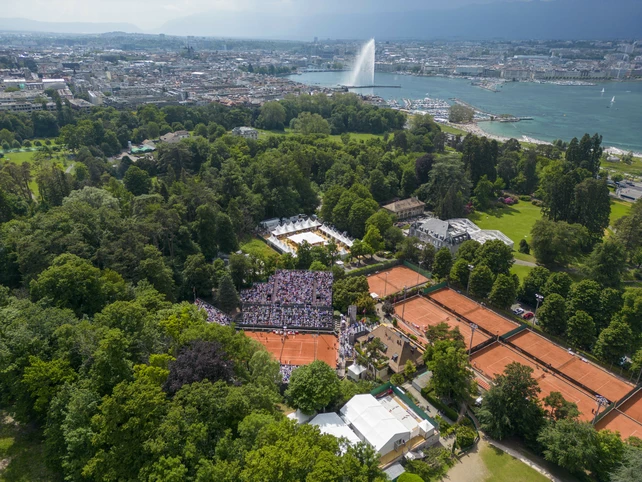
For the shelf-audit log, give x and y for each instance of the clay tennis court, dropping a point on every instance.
(298, 349)
(627, 419)
(423, 313)
(595, 378)
(493, 359)
(465, 307)
(397, 278)
(619, 422)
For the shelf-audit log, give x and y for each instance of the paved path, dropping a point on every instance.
(521, 262)
(68, 170)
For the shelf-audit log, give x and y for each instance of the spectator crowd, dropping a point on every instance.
(292, 298)
(214, 315)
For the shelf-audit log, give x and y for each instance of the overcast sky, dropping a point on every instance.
(153, 13)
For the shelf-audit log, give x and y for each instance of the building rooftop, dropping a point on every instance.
(332, 424)
(404, 204)
(371, 419)
(398, 347)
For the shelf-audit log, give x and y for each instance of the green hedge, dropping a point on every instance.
(449, 412)
(366, 270)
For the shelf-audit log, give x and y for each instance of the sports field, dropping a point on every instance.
(467, 308)
(589, 375)
(298, 349)
(493, 360)
(393, 280)
(422, 313)
(627, 419)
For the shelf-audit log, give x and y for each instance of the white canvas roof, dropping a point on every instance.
(311, 238)
(356, 369)
(373, 421)
(332, 424)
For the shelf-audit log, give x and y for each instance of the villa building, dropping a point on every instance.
(406, 208)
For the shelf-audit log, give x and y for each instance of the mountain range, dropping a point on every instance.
(537, 19)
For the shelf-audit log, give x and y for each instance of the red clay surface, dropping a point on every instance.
(627, 419)
(492, 361)
(298, 349)
(595, 378)
(398, 277)
(474, 312)
(616, 421)
(422, 313)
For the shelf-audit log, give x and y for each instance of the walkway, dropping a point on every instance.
(521, 262)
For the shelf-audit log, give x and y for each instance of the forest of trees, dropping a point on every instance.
(126, 382)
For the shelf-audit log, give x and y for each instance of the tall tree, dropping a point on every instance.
(504, 291)
(443, 263)
(201, 360)
(552, 314)
(511, 406)
(580, 330)
(451, 373)
(481, 281)
(614, 341)
(607, 263)
(312, 387)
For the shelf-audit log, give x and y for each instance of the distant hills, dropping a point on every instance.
(537, 19)
(560, 19)
(26, 25)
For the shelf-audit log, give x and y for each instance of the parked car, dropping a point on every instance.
(528, 315)
(518, 311)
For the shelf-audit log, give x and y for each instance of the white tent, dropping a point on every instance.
(374, 424)
(332, 424)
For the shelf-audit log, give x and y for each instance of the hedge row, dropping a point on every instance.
(366, 270)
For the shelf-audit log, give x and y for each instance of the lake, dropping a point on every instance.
(558, 112)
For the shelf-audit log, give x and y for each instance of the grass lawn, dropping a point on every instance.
(521, 271)
(635, 169)
(18, 157)
(505, 468)
(258, 248)
(23, 452)
(452, 130)
(514, 221)
(619, 209)
(357, 136)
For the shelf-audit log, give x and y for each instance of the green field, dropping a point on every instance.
(619, 209)
(514, 221)
(18, 157)
(358, 136)
(521, 271)
(23, 453)
(635, 169)
(258, 248)
(505, 468)
(355, 136)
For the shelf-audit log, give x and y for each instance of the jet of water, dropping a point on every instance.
(363, 71)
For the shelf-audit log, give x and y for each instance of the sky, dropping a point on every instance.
(149, 14)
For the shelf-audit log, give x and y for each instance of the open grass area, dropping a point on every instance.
(521, 271)
(18, 157)
(619, 209)
(514, 221)
(452, 130)
(505, 468)
(357, 136)
(258, 248)
(22, 453)
(634, 169)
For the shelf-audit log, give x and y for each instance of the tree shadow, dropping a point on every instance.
(24, 449)
(498, 212)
